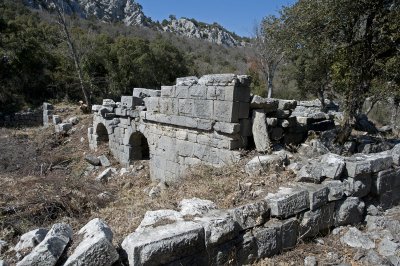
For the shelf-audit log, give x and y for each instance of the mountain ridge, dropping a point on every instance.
(131, 14)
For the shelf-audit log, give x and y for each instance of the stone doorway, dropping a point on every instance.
(102, 134)
(139, 147)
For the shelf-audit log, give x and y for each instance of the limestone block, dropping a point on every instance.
(395, 152)
(357, 187)
(96, 247)
(333, 165)
(96, 108)
(51, 248)
(168, 106)
(109, 102)
(152, 104)
(219, 227)
(181, 92)
(186, 107)
(311, 172)
(127, 101)
(30, 240)
(63, 127)
(262, 164)
(267, 241)
(225, 111)
(168, 91)
(204, 124)
(287, 104)
(272, 121)
(318, 194)
(203, 108)
(245, 128)
(228, 128)
(237, 94)
(153, 219)
(164, 244)
(380, 161)
(187, 81)
(196, 206)
(260, 131)
(143, 93)
(56, 119)
(218, 79)
(336, 189)
(269, 105)
(313, 222)
(288, 231)
(184, 148)
(215, 93)
(384, 181)
(198, 92)
(288, 202)
(349, 211)
(251, 215)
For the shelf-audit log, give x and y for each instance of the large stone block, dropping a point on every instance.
(269, 105)
(357, 187)
(225, 111)
(168, 106)
(218, 79)
(267, 240)
(182, 92)
(260, 131)
(349, 211)
(144, 93)
(152, 104)
(288, 231)
(198, 92)
(237, 94)
(164, 244)
(203, 108)
(187, 81)
(384, 181)
(318, 194)
(288, 202)
(313, 222)
(186, 107)
(361, 164)
(127, 101)
(215, 93)
(228, 128)
(168, 91)
(251, 215)
(263, 164)
(336, 189)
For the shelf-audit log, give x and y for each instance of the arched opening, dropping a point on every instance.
(139, 147)
(102, 134)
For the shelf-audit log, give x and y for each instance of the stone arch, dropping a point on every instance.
(102, 133)
(139, 147)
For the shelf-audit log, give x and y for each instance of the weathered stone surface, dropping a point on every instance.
(263, 164)
(164, 244)
(187, 81)
(73, 120)
(333, 165)
(93, 160)
(287, 104)
(395, 152)
(336, 189)
(30, 240)
(219, 227)
(387, 247)
(288, 231)
(357, 187)
(384, 181)
(196, 206)
(349, 211)
(260, 131)
(287, 202)
(160, 217)
(104, 161)
(313, 222)
(310, 261)
(267, 241)
(109, 102)
(51, 248)
(105, 175)
(269, 105)
(228, 128)
(361, 164)
(356, 239)
(251, 215)
(56, 119)
(63, 127)
(312, 172)
(318, 194)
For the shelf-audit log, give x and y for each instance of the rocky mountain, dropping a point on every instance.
(130, 13)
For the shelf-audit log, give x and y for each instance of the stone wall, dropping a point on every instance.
(39, 117)
(206, 120)
(202, 235)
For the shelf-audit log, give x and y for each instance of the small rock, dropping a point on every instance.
(105, 196)
(155, 192)
(105, 175)
(63, 127)
(310, 261)
(73, 120)
(372, 210)
(82, 140)
(140, 167)
(387, 247)
(93, 160)
(356, 239)
(104, 161)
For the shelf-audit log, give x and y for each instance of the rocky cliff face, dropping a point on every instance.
(210, 32)
(127, 11)
(130, 12)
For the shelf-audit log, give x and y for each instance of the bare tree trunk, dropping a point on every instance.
(372, 105)
(270, 84)
(321, 97)
(74, 53)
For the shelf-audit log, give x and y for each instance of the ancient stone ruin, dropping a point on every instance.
(206, 120)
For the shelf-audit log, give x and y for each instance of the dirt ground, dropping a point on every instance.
(43, 181)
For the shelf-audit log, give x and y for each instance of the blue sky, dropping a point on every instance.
(238, 16)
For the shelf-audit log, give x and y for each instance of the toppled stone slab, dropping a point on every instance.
(164, 244)
(96, 247)
(106, 175)
(63, 127)
(361, 164)
(159, 217)
(333, 165)
(104, 161)
(288, 202)
(267, 104)
(349, 211)
(51, 248)
(356, 239)
(311, 172)
(30, 240)
(93, 160)
(251, 215)
(264, 163)
(196, 206)
(260, 131)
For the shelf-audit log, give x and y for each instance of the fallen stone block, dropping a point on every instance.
(93, 160)
(361, 164)
(106, 175)
(260, 131)
(30, 240)
(267, 104)
(336, 189)
(312, 172)
(263, 164)
(267, 241)
(251, 215)
(109, 102)
(73, 120)
(127, 102)
(288, 231)
(349, 211)
(56, 119)
(196, 206)
(63, 127)
(104, 161)
(356, 239)
(333, 165)
(164, 244)
(288, 202)
(318, 194)
(219, 227)
(395, 152)
(96, 247)
(357, 187)
(51, 248)
(159, 217)
(316, 221)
